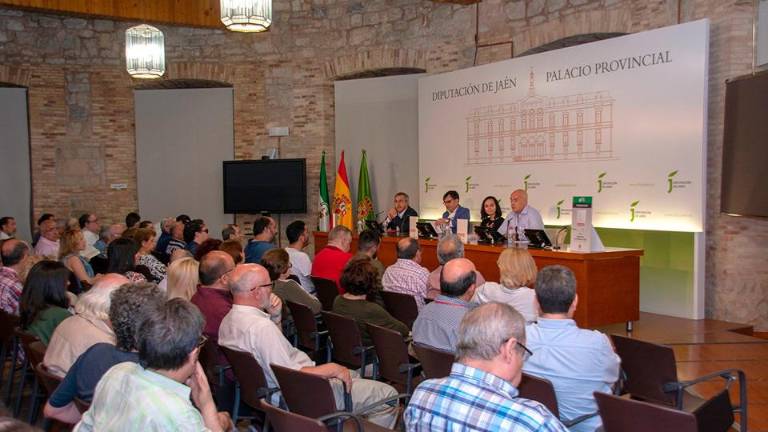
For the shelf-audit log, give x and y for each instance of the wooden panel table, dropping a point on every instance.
(608, 283)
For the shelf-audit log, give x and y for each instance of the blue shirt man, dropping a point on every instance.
(577, 361)
(522, 216)
(264, 230)
(453, 211)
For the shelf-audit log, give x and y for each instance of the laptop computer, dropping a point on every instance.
(537, 238)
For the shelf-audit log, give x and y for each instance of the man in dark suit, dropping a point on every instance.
(454, 211)
(399, 216)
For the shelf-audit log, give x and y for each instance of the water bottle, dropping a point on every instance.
(511, 234)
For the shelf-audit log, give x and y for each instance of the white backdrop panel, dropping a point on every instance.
(622, 120)
(182, 137)
(16, 192)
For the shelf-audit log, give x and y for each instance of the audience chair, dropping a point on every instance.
(251, 383)
(27, 369)
(541, 390)
(401, 306)
(651, 376)
(434, 362)
(347, 344)
(8, 322)
(312, 396)
(308, 336)
(627, 415)
(279, 420)
(209, 358)
(326, 292)
(50, 382)
(395, 364)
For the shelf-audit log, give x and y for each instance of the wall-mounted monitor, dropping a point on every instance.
(265, 186)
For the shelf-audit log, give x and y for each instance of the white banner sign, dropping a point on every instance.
(622, 120)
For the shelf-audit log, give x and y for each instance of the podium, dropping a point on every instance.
(607, 282)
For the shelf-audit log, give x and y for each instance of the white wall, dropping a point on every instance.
(380, 116)
(182, 137)
(15, 194)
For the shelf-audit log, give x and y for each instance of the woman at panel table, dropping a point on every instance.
(517, 274)
(491, 214)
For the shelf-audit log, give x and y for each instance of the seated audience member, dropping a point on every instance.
(48, 244)
(195, 233)
(278, 264)
(490, 214)
(438, 322)
(44, 300)
(145, 238)
(212, 296)
(147, 224)
(166, 226)
(264, 229)
(448, 247)
(453, 212)
(13, 257)
(179, 254)
(359, 280)
(184, 219)
(90, 226)
(301, 265)
(399, 216)
(7, 228)
(406, 275)
(577, 361)
(71, 224)
(126, 306)
(131, 220)
(70, 245)
(517, 273)
(368, 245)
(330, 261)
(183, 278)
(231, 231)
(106, 235)
(122, 259)
(39, 230)
(234, 248)
(88, 326)
(248, 328)
(177, 239)
(157, 394)
(210, 244)
(481, 393)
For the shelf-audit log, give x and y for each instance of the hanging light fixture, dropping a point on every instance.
(144, 52)
(246, 15)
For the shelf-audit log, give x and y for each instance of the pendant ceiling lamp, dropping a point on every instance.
(248, 16)
(144, 52)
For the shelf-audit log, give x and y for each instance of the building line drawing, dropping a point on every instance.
(541, 128)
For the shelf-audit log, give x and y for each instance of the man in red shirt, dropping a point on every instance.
(330, 261)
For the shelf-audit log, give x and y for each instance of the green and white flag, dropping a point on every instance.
(324, 222)
(364, 200)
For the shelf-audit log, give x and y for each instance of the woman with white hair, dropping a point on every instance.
(518, 275)
(89, 326)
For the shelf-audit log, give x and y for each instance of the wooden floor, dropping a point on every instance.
(704, 346)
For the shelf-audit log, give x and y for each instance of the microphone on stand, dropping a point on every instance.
(557, 245)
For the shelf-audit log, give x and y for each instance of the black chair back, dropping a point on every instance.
(305, 394)
(436, 363)
(346, 341)
(627, 415)
(249, 374)
(326, 292)
(394, 363)
(648, 367)
(401, 306)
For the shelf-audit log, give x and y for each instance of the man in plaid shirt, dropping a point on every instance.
(13, 253)
(407, 275)
(480, 394)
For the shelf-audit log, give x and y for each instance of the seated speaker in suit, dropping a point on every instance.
(399, 217)
(453, 211)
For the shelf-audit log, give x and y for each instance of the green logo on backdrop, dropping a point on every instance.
(466, 183)
(632, 211)
(669, 180)
(559, 208)
(426, 184)
(525, 182)
(600, 181)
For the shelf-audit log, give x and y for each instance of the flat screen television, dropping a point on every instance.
(265, 186)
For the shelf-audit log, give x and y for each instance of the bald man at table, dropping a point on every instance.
(522, 216)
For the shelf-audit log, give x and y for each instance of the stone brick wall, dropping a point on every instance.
(81, 103)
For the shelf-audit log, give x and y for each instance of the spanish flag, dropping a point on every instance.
(342, 202)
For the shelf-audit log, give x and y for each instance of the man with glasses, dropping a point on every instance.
(195, 233)
(90, 226)
(453, 211)
(481, 393)
(438, 323)
(577, 361)
(248, 328)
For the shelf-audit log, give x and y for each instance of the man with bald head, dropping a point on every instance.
(212, 296)
(522, 216)
(48, 245)
(448, 248)
(438, 322)
(13, 255)
(248, 328)
(407, 275)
